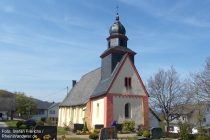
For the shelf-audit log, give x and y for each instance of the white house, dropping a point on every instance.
(52, 114)
(42, 109)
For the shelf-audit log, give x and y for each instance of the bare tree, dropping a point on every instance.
(201, 82)
(167, 93)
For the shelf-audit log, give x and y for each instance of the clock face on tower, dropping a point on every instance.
(114, 42)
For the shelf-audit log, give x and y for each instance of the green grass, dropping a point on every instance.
(61, 131)
(129, 138)
(76, 139)
(11, 123)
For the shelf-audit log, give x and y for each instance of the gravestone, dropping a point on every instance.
(78, 126)
(108, 133)
(156, 133)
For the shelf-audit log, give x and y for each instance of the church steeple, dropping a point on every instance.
(117, 48)
(117, 34)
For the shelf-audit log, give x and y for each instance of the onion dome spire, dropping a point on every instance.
(117, 27)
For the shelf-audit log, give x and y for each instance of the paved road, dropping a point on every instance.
(3, 124)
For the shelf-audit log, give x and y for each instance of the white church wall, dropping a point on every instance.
(136, 109)
(119, 85)
(70, 115)
(98, 111)
(61, 117)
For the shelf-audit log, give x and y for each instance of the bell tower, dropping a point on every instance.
(117, 34)
(117, 48)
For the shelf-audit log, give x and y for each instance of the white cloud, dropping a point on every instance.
(8, 9)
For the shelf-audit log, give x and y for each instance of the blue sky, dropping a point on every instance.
(44, 44)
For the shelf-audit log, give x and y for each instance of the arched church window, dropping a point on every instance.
(127, 110)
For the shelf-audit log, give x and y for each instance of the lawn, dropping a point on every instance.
(76, 139)
(61, 131)
(88, 139)
(11, 123)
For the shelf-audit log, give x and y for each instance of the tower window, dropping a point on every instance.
(127, 82)
(127, 110)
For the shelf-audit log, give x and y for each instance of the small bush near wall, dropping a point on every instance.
(139, 133)
(128, 126)
(93, 136)
(146, 133)
(97, 131)
(184, 131)
(171, 135)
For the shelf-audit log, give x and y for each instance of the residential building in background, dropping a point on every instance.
(52, 114)
(7, 105)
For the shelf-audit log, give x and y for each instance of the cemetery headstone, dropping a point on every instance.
(108, 133)
(156, 133)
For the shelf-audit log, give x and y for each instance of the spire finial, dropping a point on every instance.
(117, 11)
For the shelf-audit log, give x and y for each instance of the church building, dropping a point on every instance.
(113, 92)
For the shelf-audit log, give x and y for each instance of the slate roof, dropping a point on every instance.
(103, 85)
(118, 49)
(81, 92)
(155, 114)
(53, 105)
(42, 104)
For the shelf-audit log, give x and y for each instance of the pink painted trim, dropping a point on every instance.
(105, 111)
(108, 107)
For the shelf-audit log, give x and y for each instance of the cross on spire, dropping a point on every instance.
(117, 11)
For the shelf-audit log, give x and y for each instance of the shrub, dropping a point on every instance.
(43, 119)
(30, 123)
(192, 136)
(202, 137)
(40, 123)
(93, 136)
(66, 128)
(85, 127)
(146, 133)
(19, 123)
(128, 125)
(97, 131)
(139, 133)
(171, 135)
(184, 131)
